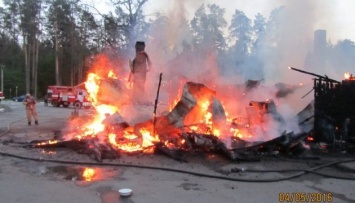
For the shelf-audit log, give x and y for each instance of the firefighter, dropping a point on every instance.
(140, 66)
(31, 111)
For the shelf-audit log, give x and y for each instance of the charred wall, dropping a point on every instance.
(334, 106)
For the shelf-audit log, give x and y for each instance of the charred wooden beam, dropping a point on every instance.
(176, 154)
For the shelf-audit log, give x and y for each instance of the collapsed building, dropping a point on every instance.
(334, 112)
(199, 120)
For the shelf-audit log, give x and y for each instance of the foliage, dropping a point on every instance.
(54, 39)
(207, 28)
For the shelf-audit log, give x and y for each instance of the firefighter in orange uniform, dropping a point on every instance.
(140, 66)
(31, 111)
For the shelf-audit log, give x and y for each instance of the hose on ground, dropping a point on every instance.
(302, 172)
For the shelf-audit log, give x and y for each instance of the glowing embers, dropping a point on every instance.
(48, 142)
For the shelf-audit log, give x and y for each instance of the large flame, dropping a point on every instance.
(128, 142)
(144, 139)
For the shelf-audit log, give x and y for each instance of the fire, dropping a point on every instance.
(144, 139)
(125, 141)
(103, 110)
(132, 143)
(48, 142)
(236, 133)
(111, 74)
(309, 138)
(92, 87)
(173, 101)
(171, 106)
(216, 132)
(348, 76)
(88, 174)
(124, 146)
(148, 139)
(208, 115)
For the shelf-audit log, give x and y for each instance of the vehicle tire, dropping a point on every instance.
(77, 105)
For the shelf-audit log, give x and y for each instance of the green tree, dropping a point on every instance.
(88, 30)
(61, 26)
(30, 11)
(207, 28)
(259, 29)
(241, 32)
(11, 56)
(342, 56)
(130, 21)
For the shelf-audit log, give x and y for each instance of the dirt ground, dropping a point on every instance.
(35, 180)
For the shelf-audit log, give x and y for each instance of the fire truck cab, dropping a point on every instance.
(67, 95)
(1, 96)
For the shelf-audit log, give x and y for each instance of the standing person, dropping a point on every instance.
(140, 66)
(45, 100)
(31, 111)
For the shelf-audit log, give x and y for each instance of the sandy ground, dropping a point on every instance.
(40, 181)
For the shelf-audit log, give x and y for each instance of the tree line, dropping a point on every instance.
(47, 42)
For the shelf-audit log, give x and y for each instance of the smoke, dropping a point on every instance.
(287, 44)
(292, 39)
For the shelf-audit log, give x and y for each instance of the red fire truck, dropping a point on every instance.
(1, 96)
(68, 95)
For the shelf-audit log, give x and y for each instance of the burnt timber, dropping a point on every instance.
(334, 109)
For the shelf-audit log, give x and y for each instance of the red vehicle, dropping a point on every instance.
(1, 96)
(68, 95)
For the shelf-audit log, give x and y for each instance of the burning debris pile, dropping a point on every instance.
(197, 123)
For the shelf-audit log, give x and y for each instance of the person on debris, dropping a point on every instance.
(139, 68)
(31, 111)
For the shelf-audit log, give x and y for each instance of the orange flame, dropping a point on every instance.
(145, 139)
(111, 74)
(348, 76)
(148, 139)
(125, 146)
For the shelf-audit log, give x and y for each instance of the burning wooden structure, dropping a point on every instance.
(334, 108)
(197, 123)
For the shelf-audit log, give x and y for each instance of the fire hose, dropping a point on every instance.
(8, 126)
(300, 171)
